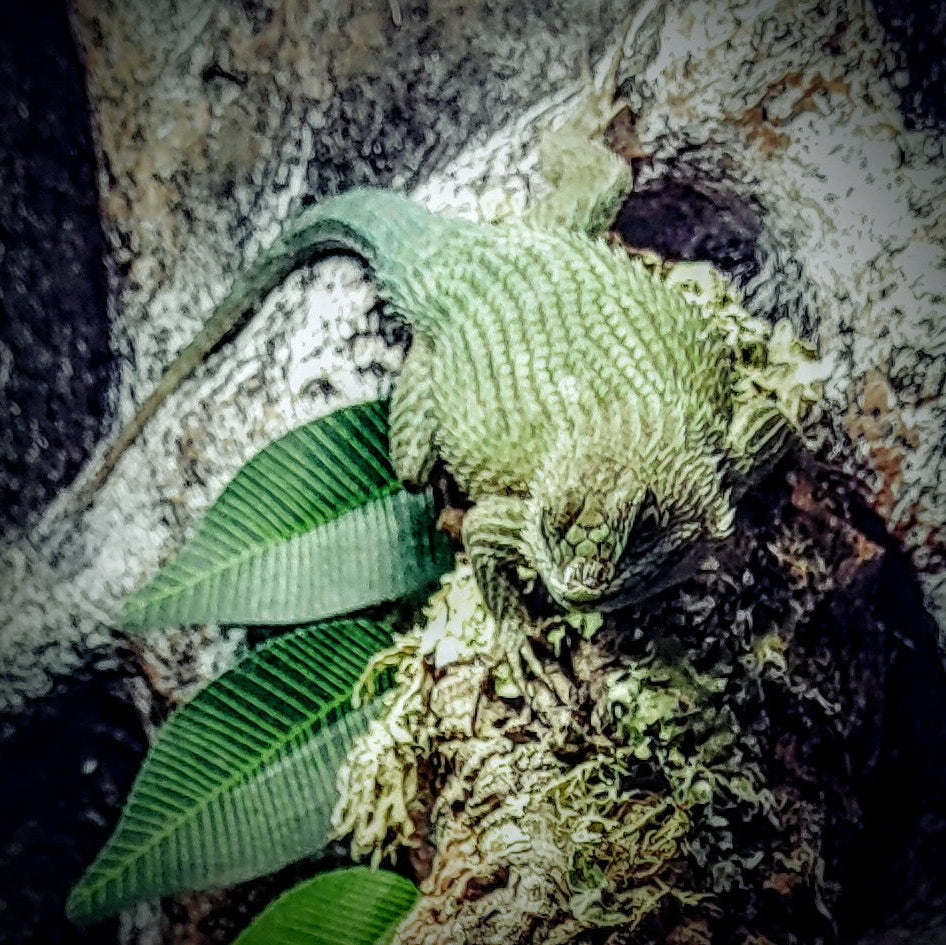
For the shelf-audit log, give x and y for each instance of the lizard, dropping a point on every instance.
(591, 413)
(585, 406)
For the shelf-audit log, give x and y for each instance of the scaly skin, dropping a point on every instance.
(586, 407)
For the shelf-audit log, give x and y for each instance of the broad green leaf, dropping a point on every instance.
(356, 906)
(315, 525)
(241, 780)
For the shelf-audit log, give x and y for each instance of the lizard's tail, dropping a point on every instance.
(387, 230)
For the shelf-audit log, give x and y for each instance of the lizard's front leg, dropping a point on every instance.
(759, 434)
(413, 427)
(492, 536)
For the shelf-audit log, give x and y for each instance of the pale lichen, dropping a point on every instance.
(677, 772)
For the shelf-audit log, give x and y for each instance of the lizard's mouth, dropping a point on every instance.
(582, 585)
(580, 596)
(604, 599)
(585, 584)
(586, 599)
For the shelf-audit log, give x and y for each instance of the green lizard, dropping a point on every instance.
(588, 410)
(598, 420)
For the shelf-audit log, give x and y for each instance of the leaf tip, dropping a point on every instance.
(79, 907)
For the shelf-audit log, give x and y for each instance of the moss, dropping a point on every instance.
(684, 771)
(688, 770)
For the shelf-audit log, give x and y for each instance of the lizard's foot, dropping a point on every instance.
(758, 435)
(778, 380)
(492, 538)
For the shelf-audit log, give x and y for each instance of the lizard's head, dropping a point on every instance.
(615, 539)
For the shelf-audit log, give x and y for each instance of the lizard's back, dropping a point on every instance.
(530, 332)
(530, 335)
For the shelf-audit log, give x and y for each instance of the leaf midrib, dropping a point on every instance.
(253, 550)
(175, 823)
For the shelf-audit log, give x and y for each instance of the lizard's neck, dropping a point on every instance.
(605, 443)
(628, 455)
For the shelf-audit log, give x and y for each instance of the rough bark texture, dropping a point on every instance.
(691, 772)
(769, 137)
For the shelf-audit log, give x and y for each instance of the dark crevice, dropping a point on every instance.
(681, 222)
(67, 762)
(55, 357)
(896, 863)
(918, 32)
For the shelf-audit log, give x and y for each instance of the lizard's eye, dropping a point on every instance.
(554, 525)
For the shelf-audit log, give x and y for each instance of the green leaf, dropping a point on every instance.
(241, 780)
(356, 906)
(315, 525)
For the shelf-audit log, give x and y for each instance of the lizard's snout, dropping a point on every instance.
(583, 582)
